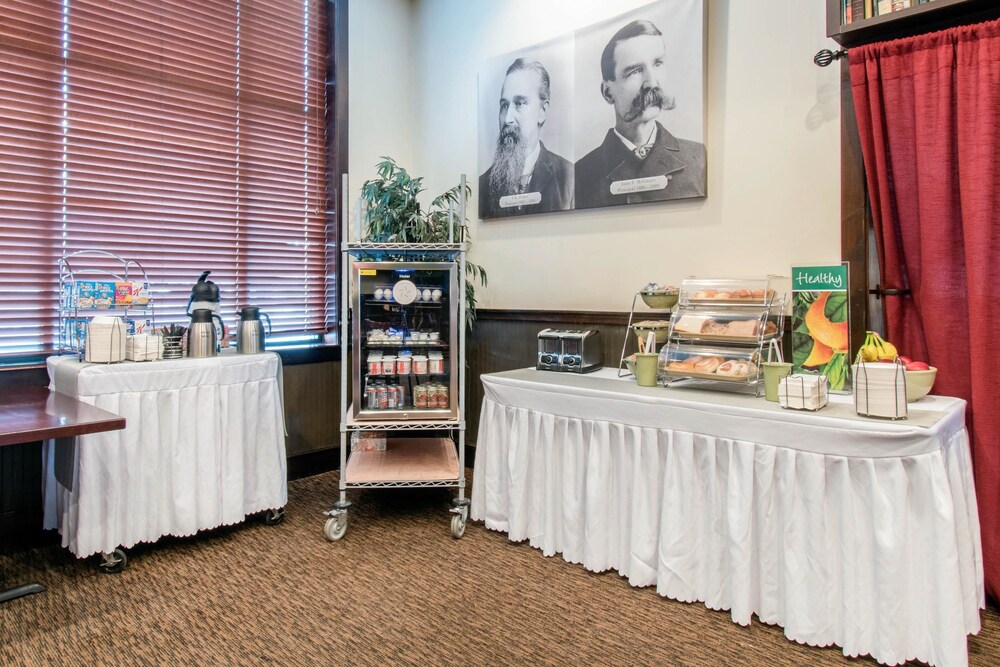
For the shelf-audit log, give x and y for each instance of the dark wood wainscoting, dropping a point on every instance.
(503, 340)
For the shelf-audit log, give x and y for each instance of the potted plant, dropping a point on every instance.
(393, 215)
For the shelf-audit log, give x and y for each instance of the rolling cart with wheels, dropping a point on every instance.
(407, 369)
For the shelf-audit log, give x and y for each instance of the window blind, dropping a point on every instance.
(184, 136)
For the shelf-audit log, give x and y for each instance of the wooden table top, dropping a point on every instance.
(29, 414)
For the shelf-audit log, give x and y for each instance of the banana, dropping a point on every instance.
(869, 351)
(889, 351)
(876, 348)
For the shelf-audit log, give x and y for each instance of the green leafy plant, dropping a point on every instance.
(394, 215)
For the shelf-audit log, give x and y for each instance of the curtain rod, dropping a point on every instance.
(826, 56)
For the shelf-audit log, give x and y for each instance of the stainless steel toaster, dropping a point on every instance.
(569, 350)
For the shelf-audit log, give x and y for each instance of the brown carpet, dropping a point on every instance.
(396, 590)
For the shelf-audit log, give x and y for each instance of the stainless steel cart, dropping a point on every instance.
(406, 299)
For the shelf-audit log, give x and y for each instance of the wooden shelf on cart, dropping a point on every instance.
(405, 460)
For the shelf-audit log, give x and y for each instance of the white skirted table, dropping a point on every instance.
(203, 446)
(841, 529)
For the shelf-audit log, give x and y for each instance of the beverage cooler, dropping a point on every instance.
(405, 338)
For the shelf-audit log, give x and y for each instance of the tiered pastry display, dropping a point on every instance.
(718, 331)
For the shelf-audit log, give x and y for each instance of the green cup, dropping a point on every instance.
(773, 372)
(645, 369)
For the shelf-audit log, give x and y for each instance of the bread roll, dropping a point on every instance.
(734, 368)
(686, 365)
(709, 364)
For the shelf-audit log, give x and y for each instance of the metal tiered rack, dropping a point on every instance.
(74, 269)
(407, 461)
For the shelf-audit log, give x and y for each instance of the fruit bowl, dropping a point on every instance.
(660, 329)
(661, 299)
(919, 383)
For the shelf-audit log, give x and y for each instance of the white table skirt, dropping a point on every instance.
(842, 530)
(203, 446)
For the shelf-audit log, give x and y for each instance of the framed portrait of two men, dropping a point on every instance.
(611, 114)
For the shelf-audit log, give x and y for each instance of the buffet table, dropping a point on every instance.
(841, 529)
(204, 446)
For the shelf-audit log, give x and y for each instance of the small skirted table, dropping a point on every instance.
(841, 529)
(204, 447)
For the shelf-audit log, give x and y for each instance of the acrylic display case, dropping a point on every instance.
(718, 331)
(405, 333)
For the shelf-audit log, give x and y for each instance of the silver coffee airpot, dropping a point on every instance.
(250, 332)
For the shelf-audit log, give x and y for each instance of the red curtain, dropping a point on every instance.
(928, 112)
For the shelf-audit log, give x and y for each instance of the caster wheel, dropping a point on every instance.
(114, 562)
(274, 517)
(335, 527)
(457, 526)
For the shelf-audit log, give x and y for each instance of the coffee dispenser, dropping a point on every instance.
(205, 296)
(201, 335)
(250, 331)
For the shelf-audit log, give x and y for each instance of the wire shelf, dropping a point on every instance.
(406, 251)
(449, 483)
(401, 425)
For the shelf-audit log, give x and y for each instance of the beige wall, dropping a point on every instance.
(772, 134)
(380, 83)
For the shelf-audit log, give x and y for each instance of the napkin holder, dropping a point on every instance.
(144, 347)
(804, 392)
(105, 342)
(880, 389)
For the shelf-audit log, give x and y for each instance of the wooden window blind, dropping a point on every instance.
(185, 136)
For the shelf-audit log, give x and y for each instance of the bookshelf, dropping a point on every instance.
(919, 18)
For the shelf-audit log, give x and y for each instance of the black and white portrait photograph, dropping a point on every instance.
(639, 106)
(526, 131)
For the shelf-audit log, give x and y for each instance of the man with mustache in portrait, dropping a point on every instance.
(638, 146)
(525, 176)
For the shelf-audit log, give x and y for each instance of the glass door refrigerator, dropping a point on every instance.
(405, 336)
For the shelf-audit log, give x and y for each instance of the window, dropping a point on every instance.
(187, 136)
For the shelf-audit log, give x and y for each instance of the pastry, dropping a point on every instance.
(742, 328)
(734, 368)
(709, 364)
(685, 365)
(715, 328)
(691, 324)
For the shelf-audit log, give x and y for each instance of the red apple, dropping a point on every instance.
(917, 366)
(906, 360)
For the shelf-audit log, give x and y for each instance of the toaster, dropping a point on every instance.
(568, 350)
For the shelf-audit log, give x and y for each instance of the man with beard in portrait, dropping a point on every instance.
(525, 176)
(638, 146)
